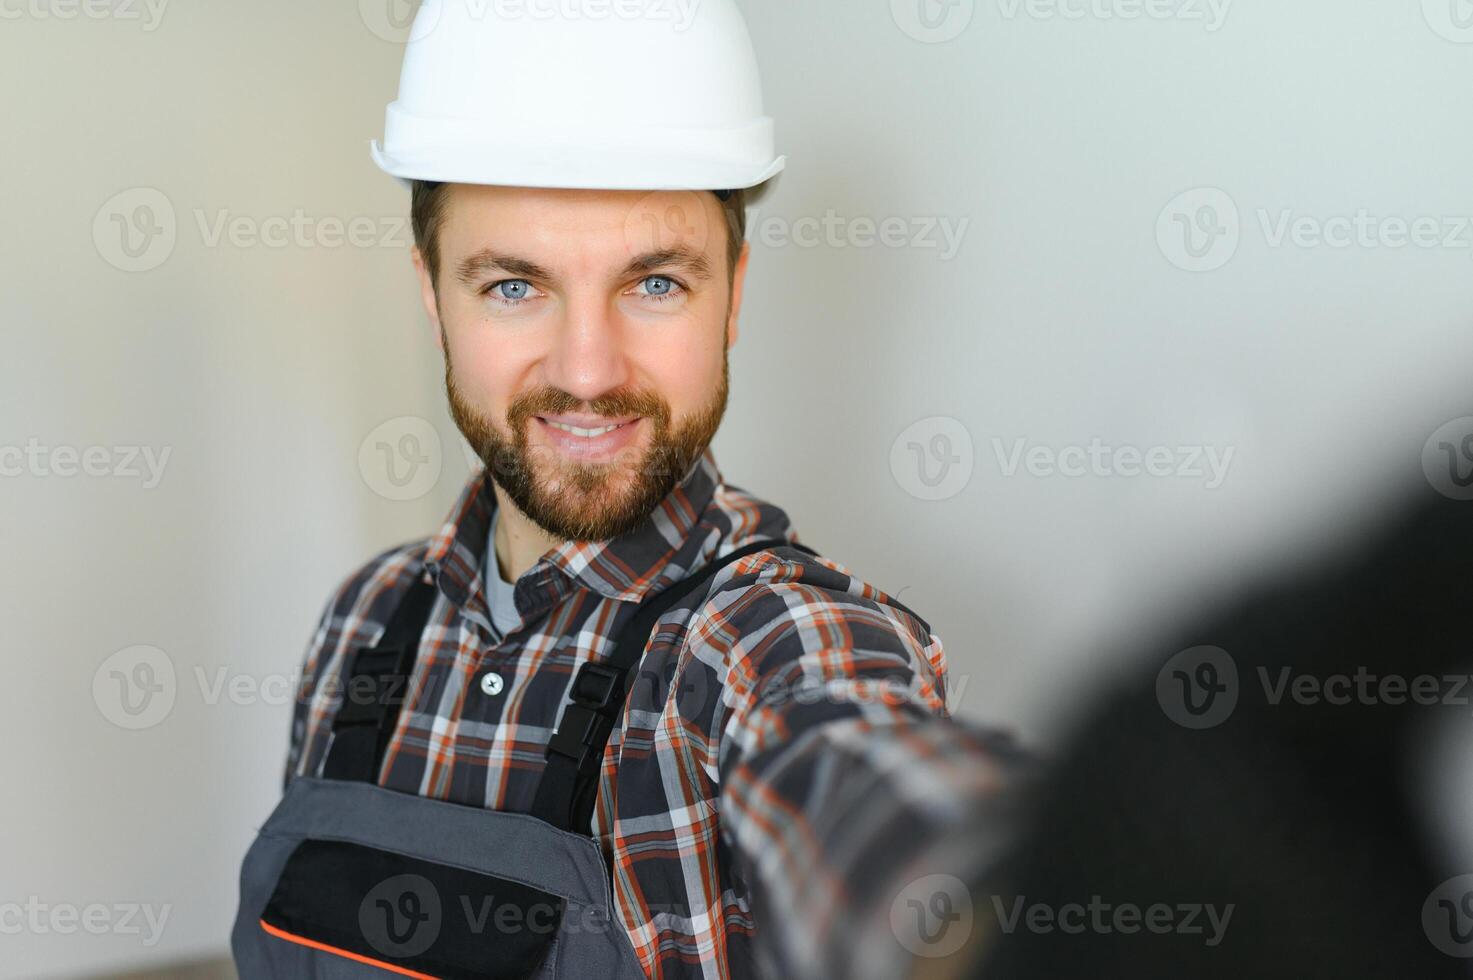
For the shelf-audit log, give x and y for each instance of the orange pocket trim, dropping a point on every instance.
(313, 944)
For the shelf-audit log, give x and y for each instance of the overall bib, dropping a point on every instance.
(347, 879)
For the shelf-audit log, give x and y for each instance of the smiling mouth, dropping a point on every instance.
(590, 444)
(586, 433)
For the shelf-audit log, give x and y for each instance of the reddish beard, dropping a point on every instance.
(587, 501)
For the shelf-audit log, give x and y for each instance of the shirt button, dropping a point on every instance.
(491, 684)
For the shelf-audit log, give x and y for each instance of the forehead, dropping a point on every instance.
(557, 226)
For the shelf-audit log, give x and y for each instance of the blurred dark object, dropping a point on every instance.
(1299, 816)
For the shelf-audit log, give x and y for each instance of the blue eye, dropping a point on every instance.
(660, 288)
(512, 291)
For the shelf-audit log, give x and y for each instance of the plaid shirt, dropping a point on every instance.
(759, 806)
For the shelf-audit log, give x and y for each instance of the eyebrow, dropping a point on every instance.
(487, 260)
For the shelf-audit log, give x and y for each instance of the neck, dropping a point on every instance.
(519, 542)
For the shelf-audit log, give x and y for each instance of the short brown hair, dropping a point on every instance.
(427, 213)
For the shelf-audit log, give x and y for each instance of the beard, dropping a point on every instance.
(577, 501)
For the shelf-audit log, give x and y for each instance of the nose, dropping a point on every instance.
(586, 357)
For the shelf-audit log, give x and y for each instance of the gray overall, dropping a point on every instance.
(347, 879)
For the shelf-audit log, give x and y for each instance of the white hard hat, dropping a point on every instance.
(611, 94)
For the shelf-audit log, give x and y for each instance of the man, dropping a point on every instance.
(611, 697)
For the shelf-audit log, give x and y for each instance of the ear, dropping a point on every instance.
(738, 281)
(427, 295)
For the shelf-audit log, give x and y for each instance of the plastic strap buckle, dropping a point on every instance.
(598, 693)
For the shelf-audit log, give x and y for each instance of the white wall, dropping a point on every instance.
(1059, 319)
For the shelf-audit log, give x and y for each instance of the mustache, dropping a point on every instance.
(549, 400)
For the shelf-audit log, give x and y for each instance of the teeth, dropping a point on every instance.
(586, 433)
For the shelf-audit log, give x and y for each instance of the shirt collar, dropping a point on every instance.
(652, 556)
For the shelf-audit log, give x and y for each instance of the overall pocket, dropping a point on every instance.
(411, 916)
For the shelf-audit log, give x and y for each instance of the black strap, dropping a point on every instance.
(569, 784)
(375, 688)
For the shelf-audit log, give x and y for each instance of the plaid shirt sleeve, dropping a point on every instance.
(844, 780)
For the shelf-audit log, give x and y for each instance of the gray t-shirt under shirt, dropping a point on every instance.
(499, 592)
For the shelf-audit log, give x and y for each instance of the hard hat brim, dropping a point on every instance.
(570, 169)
